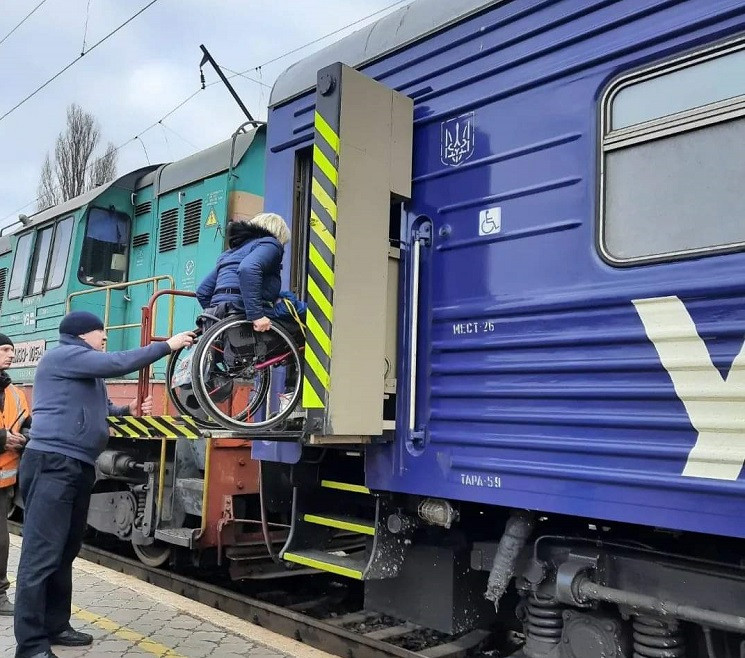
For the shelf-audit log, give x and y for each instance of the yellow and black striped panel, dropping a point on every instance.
(322, 247)
(137, 427)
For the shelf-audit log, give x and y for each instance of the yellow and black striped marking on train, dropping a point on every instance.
(136, 427)
(322, 248)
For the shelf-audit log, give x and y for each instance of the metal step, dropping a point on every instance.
(350, 523)
(177, 536)
(350, 566)
(345, 486)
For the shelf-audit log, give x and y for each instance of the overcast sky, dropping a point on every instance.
(144, 71)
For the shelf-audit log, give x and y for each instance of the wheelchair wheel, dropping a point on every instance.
(183, 396)
(234, 369)
(180, 388)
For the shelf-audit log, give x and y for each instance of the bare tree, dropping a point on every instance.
(72, 168)
(48, 192)
(103, 168)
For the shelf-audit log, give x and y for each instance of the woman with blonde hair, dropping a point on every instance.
(247, 276)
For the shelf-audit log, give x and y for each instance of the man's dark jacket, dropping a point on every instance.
(70, 400)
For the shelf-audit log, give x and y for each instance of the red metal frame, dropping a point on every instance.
(146, 337)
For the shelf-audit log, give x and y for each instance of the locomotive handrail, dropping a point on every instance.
(118, 286)
(143, 390)
(146, 336)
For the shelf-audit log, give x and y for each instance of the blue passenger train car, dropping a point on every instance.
(570, 391)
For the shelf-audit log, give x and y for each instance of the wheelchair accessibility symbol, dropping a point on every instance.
(490, 221)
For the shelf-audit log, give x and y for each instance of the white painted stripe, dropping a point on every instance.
(715, 405)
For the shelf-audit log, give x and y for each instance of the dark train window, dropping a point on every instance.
(20, 266)
(60, 252)
(105, 252)
(39, 261)
(301, 220)
(671, 168)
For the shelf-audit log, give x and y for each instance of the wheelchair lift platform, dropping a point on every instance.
(185, 427)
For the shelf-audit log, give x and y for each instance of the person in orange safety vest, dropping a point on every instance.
(15, 421)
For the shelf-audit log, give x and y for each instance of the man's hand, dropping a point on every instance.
(14, 441)
(262, 324)
(147, 406)
(184, 339)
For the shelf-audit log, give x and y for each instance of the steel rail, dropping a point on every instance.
(313, 632)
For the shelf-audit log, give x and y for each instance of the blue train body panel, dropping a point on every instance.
(548, 377)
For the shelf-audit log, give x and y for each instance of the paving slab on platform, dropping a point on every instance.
(128, 617)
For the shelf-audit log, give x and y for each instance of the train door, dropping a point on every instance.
(189, 238)
(142, 258)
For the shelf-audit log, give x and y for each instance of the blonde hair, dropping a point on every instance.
(271, 223)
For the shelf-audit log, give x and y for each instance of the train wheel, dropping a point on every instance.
(154, 555)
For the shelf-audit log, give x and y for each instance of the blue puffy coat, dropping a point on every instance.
(254, 268)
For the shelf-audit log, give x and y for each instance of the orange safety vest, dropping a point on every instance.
(15, 410)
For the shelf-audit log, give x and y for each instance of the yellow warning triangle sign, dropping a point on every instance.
(211, 218)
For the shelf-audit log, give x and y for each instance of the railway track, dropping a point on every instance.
(357, 634)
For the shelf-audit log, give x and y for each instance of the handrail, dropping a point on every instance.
(146, 335)
(118, 286)
(143, 387)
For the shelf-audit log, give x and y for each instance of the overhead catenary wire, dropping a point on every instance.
(85, 29)
(147, 157)
(179, 135)
(75, 61)
(325, 36)
(25, 18)
(271, 61)
(234, 74)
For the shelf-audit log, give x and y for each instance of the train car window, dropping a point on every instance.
(39, 261)
(670, 177)
(20, 266)
(301, 220)
(689, 87)
(60, 252)
(105, 252)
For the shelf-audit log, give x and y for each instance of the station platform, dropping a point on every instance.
(128, 617)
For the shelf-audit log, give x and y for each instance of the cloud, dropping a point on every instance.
(143, 71)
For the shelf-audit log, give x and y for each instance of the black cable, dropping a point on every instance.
(85, 29)
(25, 18)
(76, 60)
(325, 36)
(209, 84)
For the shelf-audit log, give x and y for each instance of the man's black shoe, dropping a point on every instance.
(45, 654)
(71, 638)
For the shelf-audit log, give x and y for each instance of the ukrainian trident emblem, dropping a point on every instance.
(457, 140)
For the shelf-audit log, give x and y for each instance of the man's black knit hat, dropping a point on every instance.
(4, 340)
(78, 323)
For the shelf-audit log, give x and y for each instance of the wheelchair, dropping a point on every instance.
(236, 378)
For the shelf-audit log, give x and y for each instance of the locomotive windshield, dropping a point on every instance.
(105, 252)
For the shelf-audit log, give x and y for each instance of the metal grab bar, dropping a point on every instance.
(143, 390)
(422, 236)
(414, 334)
(146, 335)
(119, 286)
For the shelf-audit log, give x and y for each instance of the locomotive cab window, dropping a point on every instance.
(39, 260)
(671, 167)
(20, 266)
(105, 252)
(60, 251)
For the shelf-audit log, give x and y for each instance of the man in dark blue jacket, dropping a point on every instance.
(57, 472)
